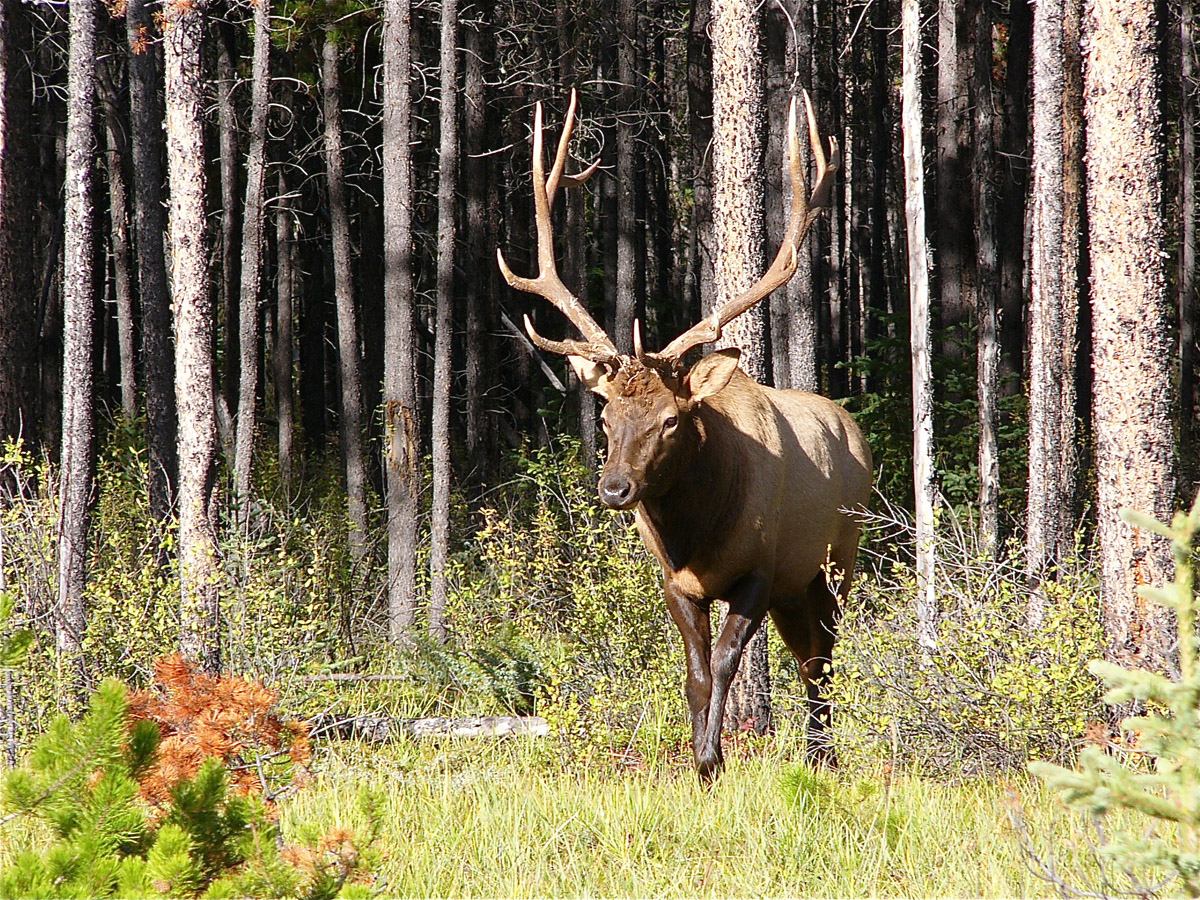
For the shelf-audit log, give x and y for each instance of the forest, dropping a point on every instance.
(292, 461)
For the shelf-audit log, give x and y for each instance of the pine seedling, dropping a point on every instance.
(1167, 733)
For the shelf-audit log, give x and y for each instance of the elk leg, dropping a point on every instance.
(692, 620)
(748, 600)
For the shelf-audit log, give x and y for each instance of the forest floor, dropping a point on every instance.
(498, 818)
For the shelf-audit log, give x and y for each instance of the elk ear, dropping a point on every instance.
(596, 376)
(712, 373)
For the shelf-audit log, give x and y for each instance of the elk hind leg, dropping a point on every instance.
(808, 631)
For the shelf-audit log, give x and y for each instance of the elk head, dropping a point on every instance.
(649, 417)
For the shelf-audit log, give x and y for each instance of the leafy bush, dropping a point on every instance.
(1162, 780)
(996, 692)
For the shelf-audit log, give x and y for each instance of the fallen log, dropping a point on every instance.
(382, 729)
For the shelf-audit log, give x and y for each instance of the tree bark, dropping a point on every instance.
(739, 123)
(285, 392)
(199, 574)
(918, 292)
(347, 316)
(1188, 411)
(700, 286)
(18, 287)
(227, 127)
(987, 361)
(253, 240)
(444, 329)
(1132, 356)
(403, 451)
(627, 284)
(76, 462)
(118, 236)
(146, 118)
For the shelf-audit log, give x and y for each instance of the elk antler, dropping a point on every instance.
(805, 211)
(596, 345)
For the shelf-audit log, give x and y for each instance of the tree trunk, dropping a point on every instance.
(347, 315)
(1044, 543)
(1013, 189)
(18, 334)
(230, 218)
(1132, 355)
(75, 478)
(403, 451)
(199, 574)
(439, 552)
(987, 361)
(285, 392)
(158, 375)
(1188, 413)
(701, 251)
(918, 292)
(627, 294)
(118, 235)
(739, 123)
(253, 225)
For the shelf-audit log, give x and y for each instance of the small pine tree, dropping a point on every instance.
(1168, 733)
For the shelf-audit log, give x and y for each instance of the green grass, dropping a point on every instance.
(478, 819)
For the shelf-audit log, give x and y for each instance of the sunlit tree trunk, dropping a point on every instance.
(444, 333)
(400, 413)
(739, 124)
(1132, 353)
(199, 574)
(285, 392)
(253, 240)
(78, 427)
(918, 292)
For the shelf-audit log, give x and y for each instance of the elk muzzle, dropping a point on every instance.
(617, 490)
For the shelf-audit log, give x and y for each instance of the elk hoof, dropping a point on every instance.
(709, 768)
(821, 755)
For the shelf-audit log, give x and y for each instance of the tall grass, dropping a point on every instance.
(478, 820)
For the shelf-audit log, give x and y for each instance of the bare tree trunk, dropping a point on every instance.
(78, 427)
(230, 217)
(285, 393)
(739, 122)
(18, 329)
(146, 117)
(627, 299)
(399, 340)
(439, 551)
(1132, 356)
(199, 574)
(803, 342)
(1044, 543)
(253, 239)
(953, 210)
(1188, 412)
(987, 362)
(347, 315)
(700, 286)
(918, 292)
(118, 218)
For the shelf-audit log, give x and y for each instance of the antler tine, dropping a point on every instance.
(597, 346)
(804, 211)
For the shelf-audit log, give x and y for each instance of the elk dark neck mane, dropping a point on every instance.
(706, 498)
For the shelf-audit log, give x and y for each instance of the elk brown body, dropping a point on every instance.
(743, 493)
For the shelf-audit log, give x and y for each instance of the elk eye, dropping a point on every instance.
(670, 422)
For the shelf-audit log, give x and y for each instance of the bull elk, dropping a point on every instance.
(741, 490)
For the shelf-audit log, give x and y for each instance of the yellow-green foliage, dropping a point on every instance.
(996, 692)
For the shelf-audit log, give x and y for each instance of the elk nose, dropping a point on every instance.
(615, 490)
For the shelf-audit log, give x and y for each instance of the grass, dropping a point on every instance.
(477, 819)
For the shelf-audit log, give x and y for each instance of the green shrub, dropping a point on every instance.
(996, 693)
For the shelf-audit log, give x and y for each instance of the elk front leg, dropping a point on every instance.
(691, 617)
(748, 600)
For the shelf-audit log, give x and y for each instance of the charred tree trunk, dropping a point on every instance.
(444, 327)
(183, 36)
(158, 375)
(627, 286)
(347, 315)
(118, 236)
(403, 450)
(253, 241)
(78, 427)
(1132, 356)
(701, 250)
